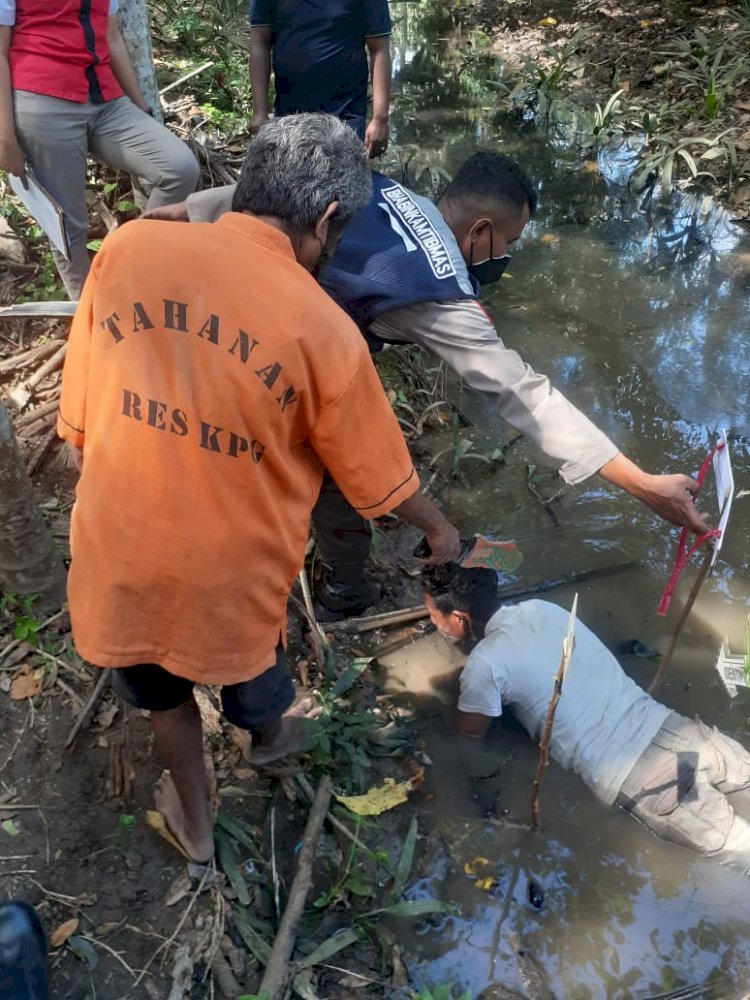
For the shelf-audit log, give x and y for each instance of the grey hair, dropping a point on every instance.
(297, 165)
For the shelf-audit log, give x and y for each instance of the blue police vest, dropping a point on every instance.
(397, 251)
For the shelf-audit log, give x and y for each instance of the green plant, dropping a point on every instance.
(604, 116)
(538, 96)
(342, 731)
(23, 621)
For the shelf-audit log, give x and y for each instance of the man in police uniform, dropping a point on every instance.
(409, 271)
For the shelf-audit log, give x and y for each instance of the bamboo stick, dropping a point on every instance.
(567, 652)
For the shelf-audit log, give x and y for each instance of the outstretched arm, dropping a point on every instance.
(462, 334)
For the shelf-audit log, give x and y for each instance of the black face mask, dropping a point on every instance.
(489, 270)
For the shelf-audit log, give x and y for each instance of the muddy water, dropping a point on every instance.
(642, 319)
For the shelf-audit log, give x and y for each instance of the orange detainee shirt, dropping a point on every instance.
(208, 380)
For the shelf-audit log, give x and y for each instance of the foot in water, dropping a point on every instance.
(200, 847)
(292, 735)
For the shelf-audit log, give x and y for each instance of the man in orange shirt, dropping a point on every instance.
(208, 381)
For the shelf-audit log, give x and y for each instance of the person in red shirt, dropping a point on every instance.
(67, 88)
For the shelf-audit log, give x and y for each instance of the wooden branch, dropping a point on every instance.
(370, 622)
(21, 394)
(26, 357)
(39, 310)
(91, 702)
(510, 593)
(567, 652)
(26, 419)
(43, 447)
(278, 970)
(684, 615)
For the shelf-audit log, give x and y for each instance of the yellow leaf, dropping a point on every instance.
(470, 868)
(60, 934)
(645, 23)
(157, 822)
(26, 683)
(378, 799)
(547, 22)
(485, 884)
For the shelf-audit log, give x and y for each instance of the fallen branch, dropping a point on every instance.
(384, 620)
(21, 394)
(26, 419)
(91, 702)
(684, 615)
(185, 78)
(335, 822)
(567, 652)
(38, 455)
(33, 354)
(278, 970)
(508, 593)
(39, 310)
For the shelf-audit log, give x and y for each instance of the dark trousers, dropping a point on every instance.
(343, 536)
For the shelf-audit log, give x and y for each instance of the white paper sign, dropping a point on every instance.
(44, 208)
(731, 668)
(724, 490)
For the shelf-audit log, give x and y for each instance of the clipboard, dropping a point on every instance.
(42, 206)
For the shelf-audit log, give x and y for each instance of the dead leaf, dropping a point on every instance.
(742, 105)
(60, 934)
(105, 717)
(378, 799)
(27, 682)
(179, 889)
(103, 929)
(157, 822)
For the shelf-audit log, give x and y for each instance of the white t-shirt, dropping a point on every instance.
(8, 11)
(603, 722)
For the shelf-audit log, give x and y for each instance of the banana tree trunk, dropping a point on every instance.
(29, 563)
(133, 19)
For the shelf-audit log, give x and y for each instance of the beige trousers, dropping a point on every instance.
(57, 135)
(680, 788)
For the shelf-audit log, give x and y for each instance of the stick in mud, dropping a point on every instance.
(278, 966)
(684, 615)
(567, 652)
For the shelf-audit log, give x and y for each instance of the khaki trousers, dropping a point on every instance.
(679, 788)
(57, 135)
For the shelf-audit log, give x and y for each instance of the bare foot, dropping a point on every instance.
(199, 848)
(292, 736)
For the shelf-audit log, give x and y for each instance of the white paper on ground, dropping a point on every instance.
(730, 667)
(724, 490)
(44, 208)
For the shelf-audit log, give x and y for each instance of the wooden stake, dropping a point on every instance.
(567, 652)
(91, 702)
(278, 969)
(684, 615)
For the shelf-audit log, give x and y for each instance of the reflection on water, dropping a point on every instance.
(642, 319)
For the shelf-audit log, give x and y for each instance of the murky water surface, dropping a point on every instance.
(642, 319)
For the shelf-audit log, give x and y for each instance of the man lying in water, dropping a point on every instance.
(672, 773)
